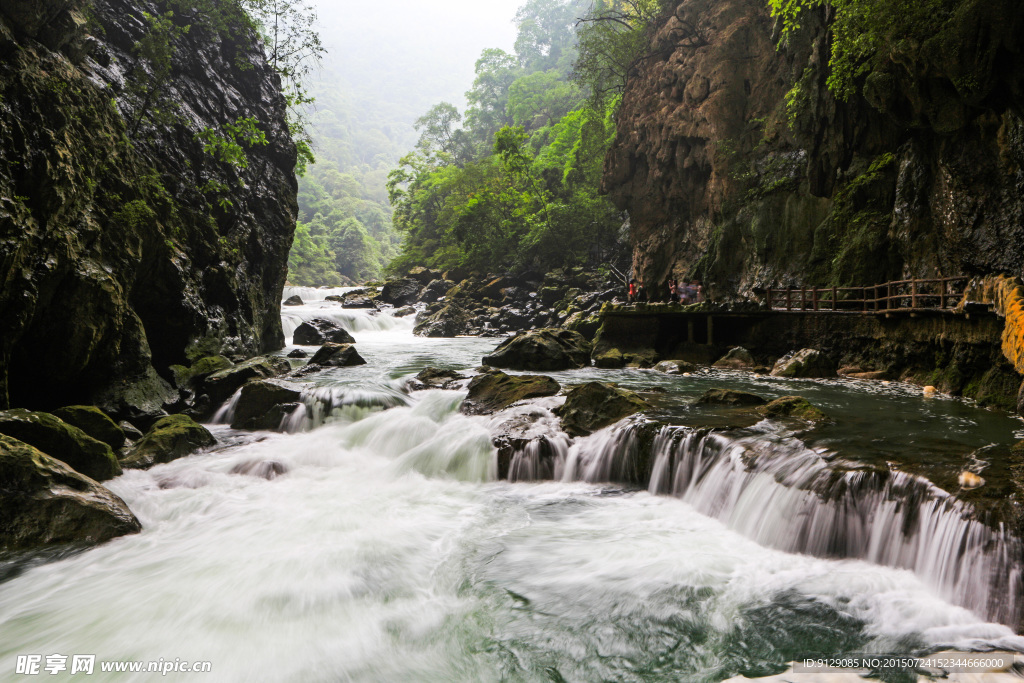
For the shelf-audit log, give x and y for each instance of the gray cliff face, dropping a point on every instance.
(921, 176)
(117, 258)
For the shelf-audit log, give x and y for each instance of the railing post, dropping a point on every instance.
(770, 304)
(864, 299)
(789, 298)
(942, 295)
(913, 293)
(835, 297)
(888, 296)
(814, 298)
(803, 299)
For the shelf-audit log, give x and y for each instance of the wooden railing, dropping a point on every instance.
(936, 294)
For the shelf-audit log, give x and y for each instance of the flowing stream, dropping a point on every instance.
(369, 539)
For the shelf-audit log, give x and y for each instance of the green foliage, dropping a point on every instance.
(865, 33)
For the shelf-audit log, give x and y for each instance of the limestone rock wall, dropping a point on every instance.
(115, 263)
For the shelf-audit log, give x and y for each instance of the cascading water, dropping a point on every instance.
(789, 497)
(370, 541)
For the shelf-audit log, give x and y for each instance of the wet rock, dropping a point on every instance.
(495, 390)
(131, 432)
(435, 290)
(400, 292)
(547, 349)
(265, 469)
(793, 406)
(171, 438)
(45, 502)
(337, 355)
(585, 323)
(729, 397)
(610, 359)
(434, 378)
(201, 369)
(449, 321)
(220, 385)
(360, 302)
(295, 300)
(806, 363)
(319, 331)
(141, 400)
(675, 367)
(738, 358)
(93, 422)
(423, 275)
(262, 404)
(65, 442)
(298, 353)
(404, 311)
(591, 406)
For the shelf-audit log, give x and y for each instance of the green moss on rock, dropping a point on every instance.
(93, 422)
(495, 390)
(62, 441)
(170, 438)
(795, 407)
(591, 406)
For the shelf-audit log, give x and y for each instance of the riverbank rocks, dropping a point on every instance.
(547, 349)
(401, 292)
(434, 378)
(62, 441)
(450, 321)
(220, 385)
(199, 370)
(45, 502)
(495, 390)
(806, 363)
(170, 438)
(795, 407)
(675, 367)
(263, 404)
(591, 406)
(319, 331)
(730, 397)
(610, 359)
(295, 300)
(738, 358)
(93, 422)
(337, 356)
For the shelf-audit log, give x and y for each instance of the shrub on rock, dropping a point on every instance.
(45, 502)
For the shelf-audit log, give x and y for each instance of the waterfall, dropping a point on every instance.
(786, 496)
(314, 294)
(352, 319)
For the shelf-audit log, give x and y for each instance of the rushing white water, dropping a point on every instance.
(373, 544)
(315, 294)
(354, 319)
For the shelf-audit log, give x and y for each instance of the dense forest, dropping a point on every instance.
(510, 181)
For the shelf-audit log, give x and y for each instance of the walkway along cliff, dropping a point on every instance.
(740, 168)
(125, 248)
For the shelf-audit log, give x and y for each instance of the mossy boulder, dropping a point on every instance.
(170, 438)
(434, 378)
(62, 441)
(675, 367)
(591, 406)
(738, 358)
(220, 385)
(400, 292)
(263, 403)
(45, 502)
(546, 349)
(807, 363)
(729, 397)
(495, 390)
(449, 321)
(320, 331)
(186, 377)
(295, 300)
(337, 355)
(795, 407)
(610, 359)
(93, 422)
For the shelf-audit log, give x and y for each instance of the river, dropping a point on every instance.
(386, 550)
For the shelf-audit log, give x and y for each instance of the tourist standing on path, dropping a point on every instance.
(673, 290)
(632, 291)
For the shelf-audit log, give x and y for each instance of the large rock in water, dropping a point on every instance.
(591, 406)
(119, 265)
(400, 292)
(793, 406)
(450, 321)
(547, 349)
(171, 438)
(729, 397)
(805, 363)
(62, 441)
(495, 390)
(264, 403)
(295, 300)
(45, 502)
(93, 422)
(738, 358)
(220, 385)
(337, 355)
(319, 331)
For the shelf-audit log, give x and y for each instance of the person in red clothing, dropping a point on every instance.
(632, 291)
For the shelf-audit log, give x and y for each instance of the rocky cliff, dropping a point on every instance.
(125, 247)
(739, 167)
